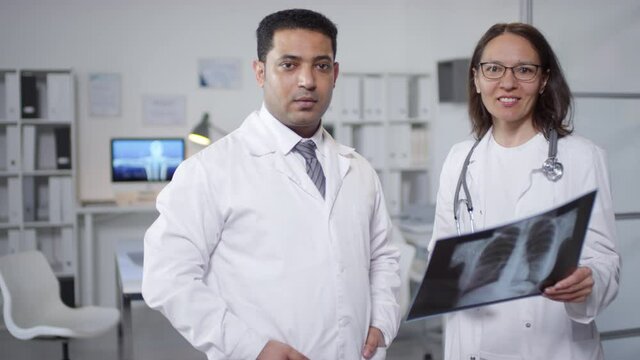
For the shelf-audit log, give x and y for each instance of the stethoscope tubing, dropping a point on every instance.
(548, 168)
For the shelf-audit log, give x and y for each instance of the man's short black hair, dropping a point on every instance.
(293, 19)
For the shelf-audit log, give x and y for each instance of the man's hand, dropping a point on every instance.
(574, 288)
(275, 350)
(375, 339)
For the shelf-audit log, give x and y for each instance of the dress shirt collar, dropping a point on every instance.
(286, 138)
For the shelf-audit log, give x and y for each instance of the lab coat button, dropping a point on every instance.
(344, 322)
(528, 324)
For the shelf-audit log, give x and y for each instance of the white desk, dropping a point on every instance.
(87, 261)
(129, 258)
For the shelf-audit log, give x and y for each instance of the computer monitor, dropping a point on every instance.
(145, 159)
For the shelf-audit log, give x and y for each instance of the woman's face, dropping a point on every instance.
(510, 101)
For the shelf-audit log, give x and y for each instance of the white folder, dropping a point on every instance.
(59, 97)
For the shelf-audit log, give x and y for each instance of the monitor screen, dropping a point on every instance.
(149, 159)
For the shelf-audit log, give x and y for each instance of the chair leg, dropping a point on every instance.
(65, 350)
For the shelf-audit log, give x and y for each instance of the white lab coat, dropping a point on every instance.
(542, 328)
(245, 251)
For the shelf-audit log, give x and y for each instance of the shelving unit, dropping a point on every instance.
(37, 168)
(385, 117)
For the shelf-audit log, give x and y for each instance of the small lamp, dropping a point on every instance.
(200, 133)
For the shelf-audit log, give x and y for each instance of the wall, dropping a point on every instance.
(155, 45)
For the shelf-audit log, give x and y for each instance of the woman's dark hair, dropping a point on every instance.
(552, 106)
(293, 19)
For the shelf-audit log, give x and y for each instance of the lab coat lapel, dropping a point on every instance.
(262, 145)
(340, 156)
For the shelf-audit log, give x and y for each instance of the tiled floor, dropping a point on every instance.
(155, 339)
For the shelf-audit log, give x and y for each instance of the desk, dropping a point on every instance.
(129, 258)
(87, 263)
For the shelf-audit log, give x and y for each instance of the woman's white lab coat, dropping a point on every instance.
(245, 250)
(540, 328)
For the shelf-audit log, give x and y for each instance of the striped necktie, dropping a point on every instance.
(308, 151)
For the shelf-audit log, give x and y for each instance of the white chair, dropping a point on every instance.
(33, 308)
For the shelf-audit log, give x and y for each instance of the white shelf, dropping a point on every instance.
(38, 166)
(385, 117)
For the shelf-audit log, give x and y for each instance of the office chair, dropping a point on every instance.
(33, 308)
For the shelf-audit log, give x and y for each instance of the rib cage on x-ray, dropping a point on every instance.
(538, 247)
(493, 259)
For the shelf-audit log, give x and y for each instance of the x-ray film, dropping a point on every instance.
(508, 262)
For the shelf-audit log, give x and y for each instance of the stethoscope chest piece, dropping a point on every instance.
(552, 169)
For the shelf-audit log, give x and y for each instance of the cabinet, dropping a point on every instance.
(385, 117)
(37, 166)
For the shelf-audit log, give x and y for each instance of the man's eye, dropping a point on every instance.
(324, 66)
(287, 65)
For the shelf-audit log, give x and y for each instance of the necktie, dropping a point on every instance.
(308, 151)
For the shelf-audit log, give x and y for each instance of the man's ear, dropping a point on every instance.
(336, 72)
(258, 69)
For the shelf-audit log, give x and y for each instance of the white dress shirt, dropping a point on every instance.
(246, 250)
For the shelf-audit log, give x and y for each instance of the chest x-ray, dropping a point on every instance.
(504, 263)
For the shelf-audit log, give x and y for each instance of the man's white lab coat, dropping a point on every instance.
(540, 328)
(245, 250)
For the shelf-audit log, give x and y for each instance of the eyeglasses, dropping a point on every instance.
(524, 72)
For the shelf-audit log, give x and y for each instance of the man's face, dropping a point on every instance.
(298, 78)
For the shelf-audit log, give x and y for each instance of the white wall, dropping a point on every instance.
(155, 45)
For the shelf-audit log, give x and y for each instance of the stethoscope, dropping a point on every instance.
(551, 168)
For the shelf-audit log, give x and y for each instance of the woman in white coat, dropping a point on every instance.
(518, 99)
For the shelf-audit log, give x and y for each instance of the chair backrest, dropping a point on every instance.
(29, 289)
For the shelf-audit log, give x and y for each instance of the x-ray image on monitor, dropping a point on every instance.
(153, 159)
(508, 262)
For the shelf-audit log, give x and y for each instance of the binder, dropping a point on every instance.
(3, 149)
(63, 147)
(12, 98)
(55, 200)
(398, 98)
(46, 159)
(29, 199)
(351, 99)
(65, 251)
(42, 199)
(59, 97)
(373, 99)
(67, 199)
(29, 95)
(29, 240)
(13, 148)
(14, 239)
(15, 200)
(399, 145)
(28, 148)
(4, 201)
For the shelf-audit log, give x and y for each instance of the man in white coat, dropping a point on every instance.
(272, 243)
